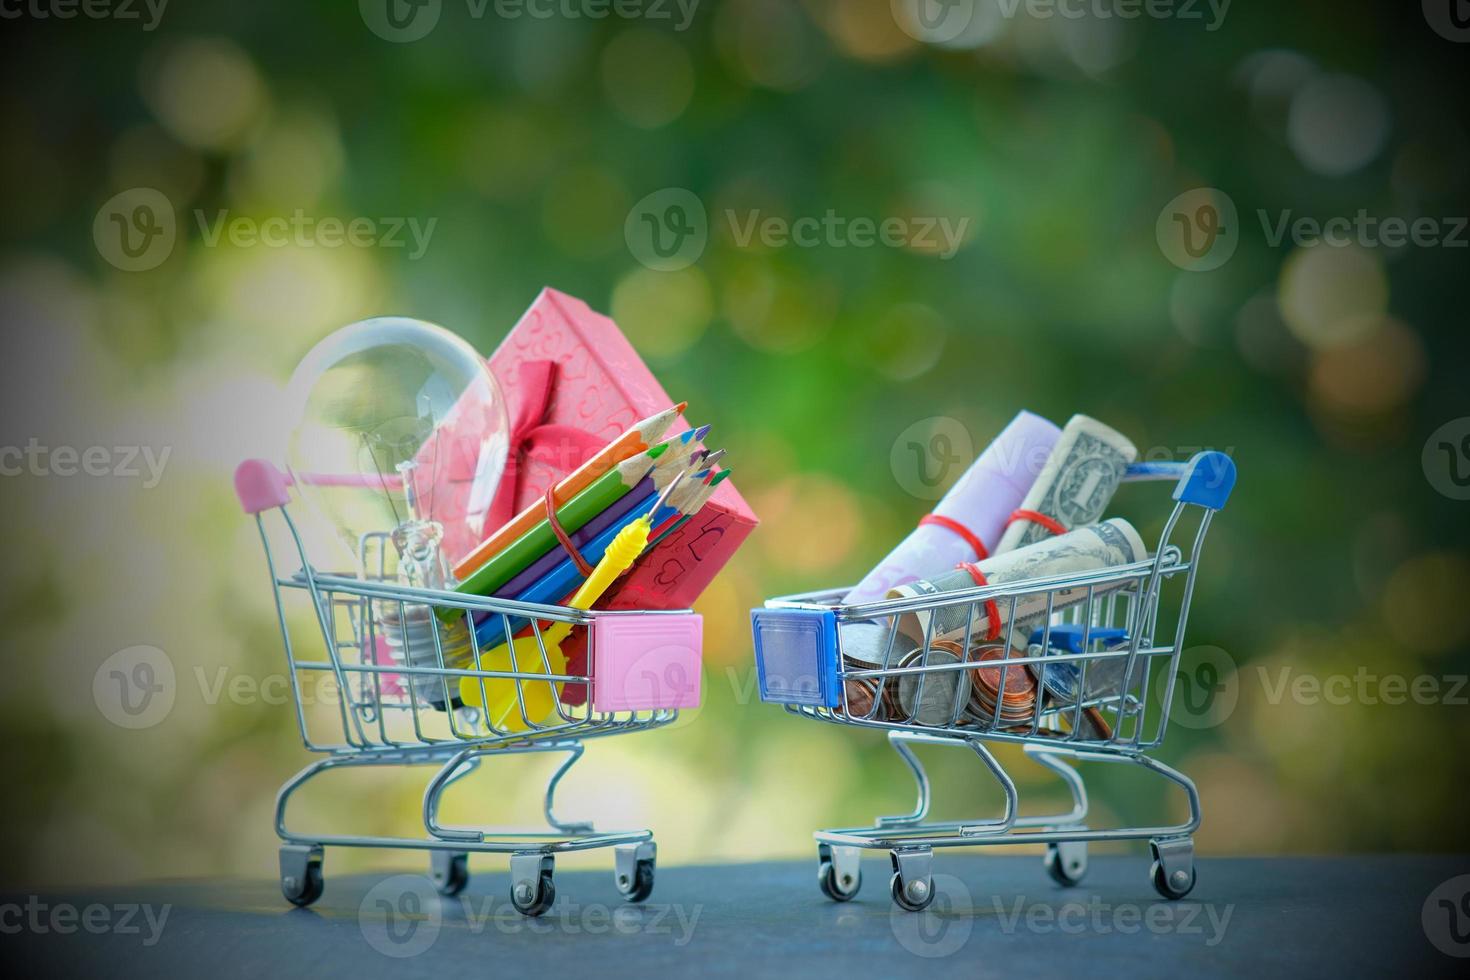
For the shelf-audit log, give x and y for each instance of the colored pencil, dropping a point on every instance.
(637, 439)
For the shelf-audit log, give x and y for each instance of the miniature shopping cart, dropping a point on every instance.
(398, 676)
(1080, 692)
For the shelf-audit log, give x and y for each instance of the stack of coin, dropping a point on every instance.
(1017, 701)
(935, 701)
(860, 693)
(864, 645)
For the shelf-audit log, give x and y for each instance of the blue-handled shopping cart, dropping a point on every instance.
(1078, 692)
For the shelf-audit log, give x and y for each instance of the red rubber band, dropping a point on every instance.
(950, 524)
(561, 535)
(1037, 517)
(992, 611)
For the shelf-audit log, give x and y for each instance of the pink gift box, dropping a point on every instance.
(598, 387)
(646, 662)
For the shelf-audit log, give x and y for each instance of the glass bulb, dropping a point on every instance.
(401, 440)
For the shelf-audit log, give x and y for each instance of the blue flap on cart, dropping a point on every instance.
(796, 656)
(1207, 481)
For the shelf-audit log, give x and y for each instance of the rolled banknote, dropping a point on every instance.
(1085, 549)
(976, 507)
(1075, 485)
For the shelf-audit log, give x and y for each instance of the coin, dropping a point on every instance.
(1017, 700)
(942, 690)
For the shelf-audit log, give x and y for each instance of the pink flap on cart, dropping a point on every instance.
(646, 662)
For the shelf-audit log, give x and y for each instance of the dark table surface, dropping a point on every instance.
(994, 916)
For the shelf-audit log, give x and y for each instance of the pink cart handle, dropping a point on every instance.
(261, 486)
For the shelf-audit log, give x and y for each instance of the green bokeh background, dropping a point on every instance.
(1323, 371)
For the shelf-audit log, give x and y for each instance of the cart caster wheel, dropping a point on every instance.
(1066, 862)
(301, 874)
(1173, 868)
(531, 890)
(1174, 886)
(912, 896)
(450, 872)
(840, 887)
(640, 886)
(633, 870)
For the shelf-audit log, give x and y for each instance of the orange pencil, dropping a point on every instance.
(636, 440)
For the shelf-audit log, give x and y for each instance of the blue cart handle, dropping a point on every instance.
(1206, 479)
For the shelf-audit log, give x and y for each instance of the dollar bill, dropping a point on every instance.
(1074, 487)
(1085, 549)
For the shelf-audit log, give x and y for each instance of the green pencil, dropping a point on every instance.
(603, 492)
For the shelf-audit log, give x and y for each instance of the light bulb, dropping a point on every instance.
(400, 443)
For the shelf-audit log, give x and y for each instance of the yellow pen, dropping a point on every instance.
(505, 695)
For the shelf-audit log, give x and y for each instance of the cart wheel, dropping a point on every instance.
(531, 901)
(1066, 862)
(301, 874)
(1172, 887)
(450, 871)
(640, 885)
(912, 896)
(1173, 868)
(839, 888)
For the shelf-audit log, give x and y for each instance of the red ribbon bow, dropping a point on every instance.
(562, 447)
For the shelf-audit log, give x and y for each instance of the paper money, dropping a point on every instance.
(1075, 485)
(980, 501)
(1085, 549)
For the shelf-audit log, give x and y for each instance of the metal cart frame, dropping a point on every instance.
(799, 652)
(385, 716)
